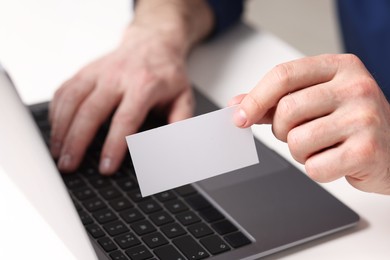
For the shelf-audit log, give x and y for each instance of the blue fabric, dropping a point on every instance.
(226, 13)
(366, 32)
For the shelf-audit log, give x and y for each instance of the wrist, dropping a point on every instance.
(181, 24)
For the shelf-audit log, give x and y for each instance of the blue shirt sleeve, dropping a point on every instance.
(226, 13)
(366, 33)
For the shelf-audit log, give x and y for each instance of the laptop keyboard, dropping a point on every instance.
(174, 225)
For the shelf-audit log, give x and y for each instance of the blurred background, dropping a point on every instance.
(309, 26)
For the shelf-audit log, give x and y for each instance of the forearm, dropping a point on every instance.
(183, 22)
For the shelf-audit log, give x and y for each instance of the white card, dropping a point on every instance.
(190, 150)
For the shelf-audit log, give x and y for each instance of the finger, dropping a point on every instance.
(64, 107)
(316, 136)
(182, 107)
(127, 119)
(54, 101)
(92, 113)
(236, 100)
(338, 161)
(302, 106)
(283, 79)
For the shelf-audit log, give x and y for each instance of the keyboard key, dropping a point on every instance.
(237, 239)
(121, 204)
(168, 253)
(154, 240)
(73, 181)
(139, 253)
(211, 214)
(94, 204)
(198, 202)
(104, 216)
(215, 244)
(161, 218)
(224, 227)
(127, 184)
(95, 231)
(149, 206)
(186, 190)
(84, 194)
(143, 227)
(200, 230)
(131, 215)
(100, 182)
(165, 196)
(173, 230)
(110, 193)
(136, 196)
(187, 218)
(190, 248)
(121, 174)
(118, 255)
(88, 170)
(127, 240)
(116, 228)
(176, 206)
(107, 244)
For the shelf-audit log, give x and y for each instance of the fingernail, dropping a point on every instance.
(240, 118)
(64, 162)
(105, 165)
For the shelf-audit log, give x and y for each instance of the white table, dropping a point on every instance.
(43, 42)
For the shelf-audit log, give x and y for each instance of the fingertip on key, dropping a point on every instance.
(105, 166)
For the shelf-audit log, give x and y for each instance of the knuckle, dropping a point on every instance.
(349, 58)
(283, 117)
(255, 102)
(72, 95)
(90, 110)
(367, 118)
(58, 93)
(286, 107)
(313, 171)
(365, 87)
(318, 172)
(147, 83)
(283, 73)
(123, 119)
(364, 153)
(278, 131)
(294, 140)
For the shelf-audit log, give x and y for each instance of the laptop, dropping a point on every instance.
(245, 214)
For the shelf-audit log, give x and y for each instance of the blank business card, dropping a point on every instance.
(190, 150)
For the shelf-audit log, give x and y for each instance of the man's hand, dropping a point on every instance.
(147, 71)
(331, 113)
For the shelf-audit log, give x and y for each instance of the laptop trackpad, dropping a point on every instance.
(281, 207)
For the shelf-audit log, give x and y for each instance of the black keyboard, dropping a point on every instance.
(174, 225)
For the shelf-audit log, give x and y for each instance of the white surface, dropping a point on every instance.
(44, 42)
(39, 57)
(25, 237)
(190, 150)
(26, 161)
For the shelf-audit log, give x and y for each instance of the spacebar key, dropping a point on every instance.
(190, 248)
